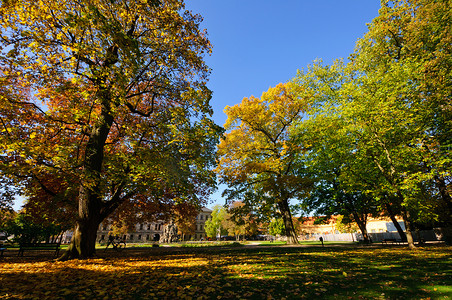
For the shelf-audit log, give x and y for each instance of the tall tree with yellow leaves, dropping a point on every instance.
(259, 157)
(109, 98)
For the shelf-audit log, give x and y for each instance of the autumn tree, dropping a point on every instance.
(109, 100)
(185, 218)
(259, 158)
(51, 192)
(232, 228)
(240, 221)
(7, 216)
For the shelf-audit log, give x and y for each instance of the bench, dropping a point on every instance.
(39, 247)
(364, 242)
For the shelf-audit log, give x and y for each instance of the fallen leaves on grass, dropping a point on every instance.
(273, 273)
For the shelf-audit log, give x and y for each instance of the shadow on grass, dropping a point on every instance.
(247, 273)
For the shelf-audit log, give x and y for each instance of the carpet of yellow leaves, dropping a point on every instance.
(103, 278)
(267, 273)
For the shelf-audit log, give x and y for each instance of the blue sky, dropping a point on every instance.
(260, 43)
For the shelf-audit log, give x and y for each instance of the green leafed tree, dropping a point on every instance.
(341, 177)
(415, 37)
(214, 226)
(396, 105)
(276, 227)
(383, 122)
(104, 103)
(363, 138)
(345, 224)
(23, 229)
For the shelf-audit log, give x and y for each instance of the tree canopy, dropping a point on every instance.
(105, 104)
(373, 135)
(380, 127)
(258, 153)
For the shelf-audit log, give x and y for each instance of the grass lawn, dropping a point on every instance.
(247, 272)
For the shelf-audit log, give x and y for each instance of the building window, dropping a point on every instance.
(200, 227)
(147, 237)
(131, 237)
(141, 226)
(149, 226)
(200, 217)
(139, 237)
(156, 227)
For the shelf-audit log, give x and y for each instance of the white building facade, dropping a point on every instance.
(151, 232)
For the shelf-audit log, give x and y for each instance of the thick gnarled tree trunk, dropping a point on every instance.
(288, 223)
(91, 206)
(395, 222)
(361, 222)
(83, 242)
(409, 229)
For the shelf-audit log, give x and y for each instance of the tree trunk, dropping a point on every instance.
(396, 224)
(288, 224)
(409, 229)
(445, 195)
(91, 210)
(83, 242)
(362, 226)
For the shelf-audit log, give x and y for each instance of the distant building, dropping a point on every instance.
(145, 232)
(204, 215)
(149, 232)
(374, 225)
(307, 225)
